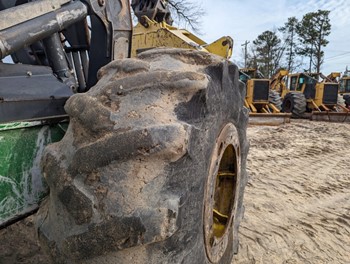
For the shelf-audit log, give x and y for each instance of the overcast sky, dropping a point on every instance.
(245, 20)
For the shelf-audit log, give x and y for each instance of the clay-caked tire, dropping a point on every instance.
(152, 168)
(275, 99)
(295, 103)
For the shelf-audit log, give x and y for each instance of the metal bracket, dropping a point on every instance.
(30, 92)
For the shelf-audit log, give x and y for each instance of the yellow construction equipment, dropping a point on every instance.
(264, 105)
(151, 34)
(332, 77)
(152, 165)
(307, 97)
(278, 82)
(344, 90)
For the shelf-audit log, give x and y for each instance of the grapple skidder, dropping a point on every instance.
(149, 159)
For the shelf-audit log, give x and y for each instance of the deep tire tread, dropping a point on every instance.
(134, 161)
(297, 103)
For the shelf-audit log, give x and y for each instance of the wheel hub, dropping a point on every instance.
(221, 189)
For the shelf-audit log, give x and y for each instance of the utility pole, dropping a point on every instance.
(245, 44)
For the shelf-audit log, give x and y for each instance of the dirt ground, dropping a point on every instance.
(297, 201)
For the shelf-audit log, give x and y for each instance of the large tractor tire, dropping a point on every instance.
(295, 103)
(152, 168)
(346, 99)
(275, 99)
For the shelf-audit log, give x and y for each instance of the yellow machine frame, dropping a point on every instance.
(252, 104)
(262, 112)
(317, 101)
(152, 34)
(278, 84)
(332, 77)
(251, 79)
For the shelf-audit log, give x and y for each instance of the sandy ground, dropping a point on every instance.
(297, 199)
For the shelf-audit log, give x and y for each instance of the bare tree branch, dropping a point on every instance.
(187, 13)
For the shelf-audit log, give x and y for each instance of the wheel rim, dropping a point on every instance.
(288, 106)
(221, 192)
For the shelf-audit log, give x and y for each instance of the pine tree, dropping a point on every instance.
(290, 39)
(313, 30)
(268, 51)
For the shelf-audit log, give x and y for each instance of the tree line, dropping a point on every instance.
(292, 44)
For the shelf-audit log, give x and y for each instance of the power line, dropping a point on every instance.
(336, 56)
(337, 50)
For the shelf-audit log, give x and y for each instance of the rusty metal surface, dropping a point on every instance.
(263, 119)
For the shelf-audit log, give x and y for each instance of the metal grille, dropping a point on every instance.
(261, 90)
(330, 94)
(310, 91)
